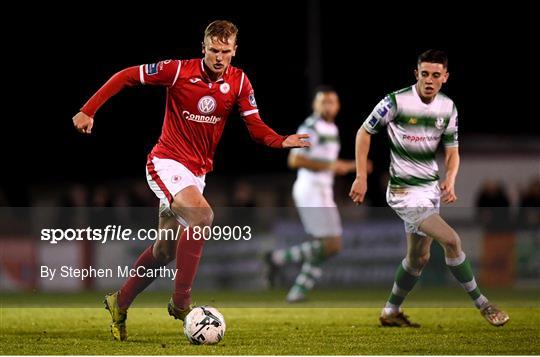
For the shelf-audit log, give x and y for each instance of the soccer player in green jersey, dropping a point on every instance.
(417, 118)
(314, 196)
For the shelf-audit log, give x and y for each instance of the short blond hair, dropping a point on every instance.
(222, 30)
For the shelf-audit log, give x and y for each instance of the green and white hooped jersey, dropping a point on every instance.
(324, 139)
(415, 130)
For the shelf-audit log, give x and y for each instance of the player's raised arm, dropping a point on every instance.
(163, 73)
(84, 120)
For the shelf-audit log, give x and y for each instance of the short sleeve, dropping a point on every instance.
(381, 115)
(163, 73)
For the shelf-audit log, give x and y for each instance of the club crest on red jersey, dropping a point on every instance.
(225, 88)
(207, 104)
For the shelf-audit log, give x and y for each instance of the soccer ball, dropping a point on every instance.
(204, 325)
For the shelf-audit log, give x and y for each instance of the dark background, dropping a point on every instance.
(59, 55)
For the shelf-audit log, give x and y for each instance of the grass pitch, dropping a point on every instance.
(343, 322)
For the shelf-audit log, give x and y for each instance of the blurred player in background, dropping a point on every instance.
(417, 118)
(201, 93)
(314, 196)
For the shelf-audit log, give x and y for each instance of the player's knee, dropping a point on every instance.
(174, 208)
(204, 217)
(453, 243)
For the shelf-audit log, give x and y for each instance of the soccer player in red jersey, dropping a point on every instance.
(201, 93)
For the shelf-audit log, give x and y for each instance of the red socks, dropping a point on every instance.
(135, 285)
(188, 254)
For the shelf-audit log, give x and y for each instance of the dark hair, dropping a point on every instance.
(221, 29)
(434, 56)
(323, 88)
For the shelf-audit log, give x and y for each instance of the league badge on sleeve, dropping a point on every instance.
(384, 106)
(151, 68)
(373, 121)
(252, 99)
(382, 110)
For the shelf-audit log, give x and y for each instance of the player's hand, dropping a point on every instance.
(358, 190)
(448, 194)
(83, 123)
(343, 167)
(296, 141)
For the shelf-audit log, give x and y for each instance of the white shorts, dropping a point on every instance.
(166, 178)
(414, 204)
(317, 209)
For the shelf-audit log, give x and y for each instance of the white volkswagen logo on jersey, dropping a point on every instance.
(224, 88)
(207, 104)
